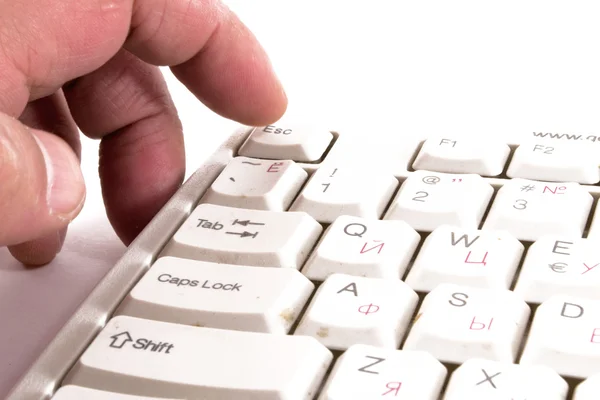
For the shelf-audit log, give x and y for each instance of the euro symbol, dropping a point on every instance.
(355, 229)
(558, 267)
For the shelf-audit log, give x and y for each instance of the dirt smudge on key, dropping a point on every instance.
(323, 332)
(288, 315)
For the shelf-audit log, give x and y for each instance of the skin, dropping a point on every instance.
(93, 65)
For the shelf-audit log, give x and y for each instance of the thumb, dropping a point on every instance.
(41, 185)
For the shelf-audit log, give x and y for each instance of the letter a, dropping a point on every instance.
(350, 288)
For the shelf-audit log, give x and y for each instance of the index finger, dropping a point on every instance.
(208, 47)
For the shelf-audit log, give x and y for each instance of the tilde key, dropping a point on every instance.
(245, 237)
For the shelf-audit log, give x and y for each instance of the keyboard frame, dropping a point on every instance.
(45, 375)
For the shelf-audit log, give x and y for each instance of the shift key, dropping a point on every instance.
(239, 236)
(159, 359)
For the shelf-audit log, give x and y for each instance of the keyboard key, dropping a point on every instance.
(363, 247)
(486, 259)
(368, 372)
(560, 265)
(588, 389)
(594, 231)
(257, 184)
(332, 192)
(257, 299)
(556, 162)
(565, 336)
(427, 200)
(456, 323)
(79, 393)
(529, 209)
(150, 358)
(349, 310)
(392, 157)
(479, 379)
(287, 140)
(469, 156)
(245, 237)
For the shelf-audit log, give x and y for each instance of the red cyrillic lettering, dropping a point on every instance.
(595, 332)
(380, 246)
(556, 188)
(368, 309)
(481, 324)
(588, 269)
(393, 387)
(275, 167)
(467, 261)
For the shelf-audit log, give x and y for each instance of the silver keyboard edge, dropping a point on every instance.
(45, 375)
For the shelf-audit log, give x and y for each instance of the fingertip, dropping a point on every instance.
(39, 252)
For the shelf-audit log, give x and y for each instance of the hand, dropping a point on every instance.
(92, 64)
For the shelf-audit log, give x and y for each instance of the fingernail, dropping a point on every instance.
(66, 190)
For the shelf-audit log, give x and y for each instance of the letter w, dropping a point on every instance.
(464, 238)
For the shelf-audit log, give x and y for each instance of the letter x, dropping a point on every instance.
(488, 378)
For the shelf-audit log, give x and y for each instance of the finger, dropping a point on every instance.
(77, 36)
(42, 185)
(213, 54)
(210, 50)
(142, 159)
(49, 114)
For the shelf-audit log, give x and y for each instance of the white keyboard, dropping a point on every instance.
(283, 269)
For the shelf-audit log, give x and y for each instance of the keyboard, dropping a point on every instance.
(299, 263)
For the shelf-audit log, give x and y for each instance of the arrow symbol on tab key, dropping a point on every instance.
(119, 340)
(243, 234)
(246, 222)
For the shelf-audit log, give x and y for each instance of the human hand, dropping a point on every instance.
(92, 64)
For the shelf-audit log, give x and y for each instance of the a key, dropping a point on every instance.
(556, 264)
(460, 155)
(565, 336)
(529, 209)
(257, 184)
(349, 310)
(486, 259)
(556, 162)
(257, 299)
(588, 389)
(456, 323)
(427, 200)
(150, 358)
(80, 393)
(363, 247)
(479, 379)
(366, 372)
(332, 192)
(245, 237)
(287, 140)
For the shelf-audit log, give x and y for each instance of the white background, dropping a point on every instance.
(392, 69)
